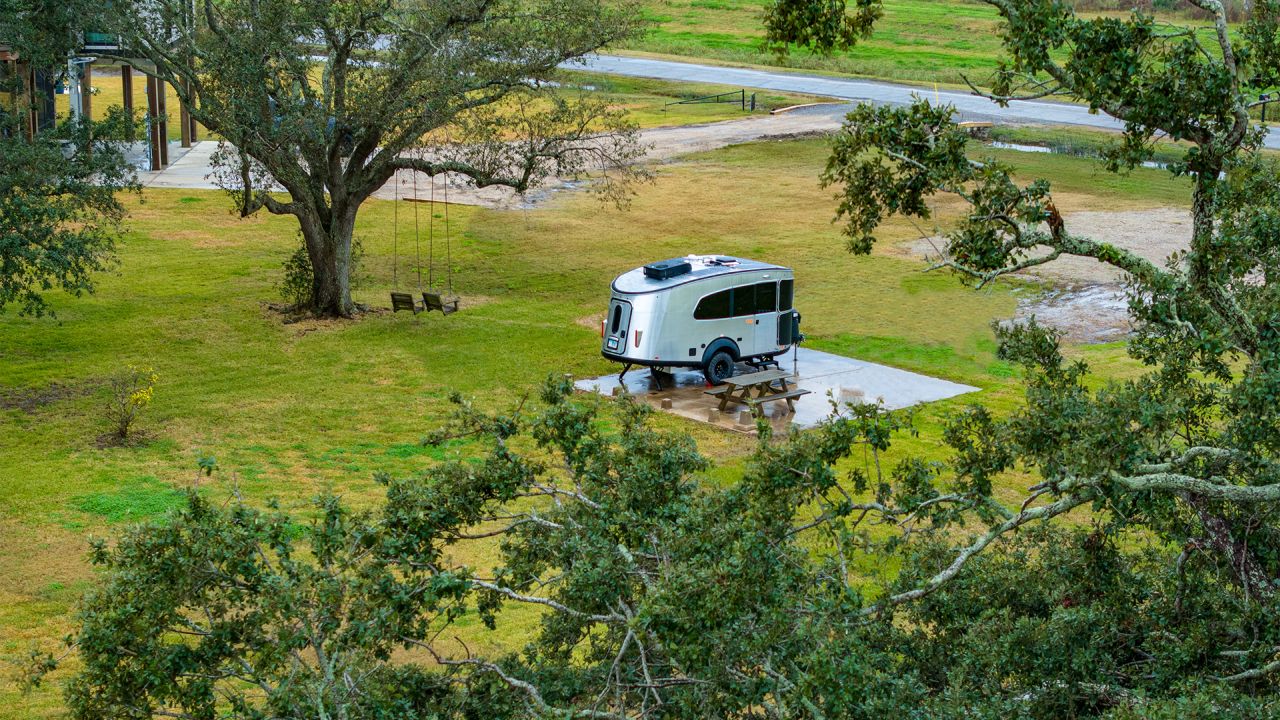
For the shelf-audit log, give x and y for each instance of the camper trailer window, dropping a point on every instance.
(617, 318)
(766, 297)
(788, 287)
(714, 306)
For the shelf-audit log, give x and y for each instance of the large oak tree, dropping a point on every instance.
(327, 100)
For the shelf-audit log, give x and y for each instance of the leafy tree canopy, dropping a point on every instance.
(59, 210)
(326, 101)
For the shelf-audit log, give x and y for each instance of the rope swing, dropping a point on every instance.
(432, 299)
(402, 300)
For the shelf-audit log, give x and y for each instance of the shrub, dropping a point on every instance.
(131, 390)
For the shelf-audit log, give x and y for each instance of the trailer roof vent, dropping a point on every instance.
(665, 269)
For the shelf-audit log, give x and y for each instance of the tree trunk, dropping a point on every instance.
(329, 247)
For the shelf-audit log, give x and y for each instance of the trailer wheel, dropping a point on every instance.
(719, 367)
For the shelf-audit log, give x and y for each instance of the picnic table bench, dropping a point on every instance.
(767, 386)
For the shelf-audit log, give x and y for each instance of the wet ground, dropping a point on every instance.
(1081, 297)
(828, 378)
(1084, 314)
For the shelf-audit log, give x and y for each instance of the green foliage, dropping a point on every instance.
(129, 392)
(1183, 456)
(60, 213)
(818, 25)
(239, 612)
(664, 596)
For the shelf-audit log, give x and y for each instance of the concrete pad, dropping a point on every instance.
(188, 168)
(826, 376)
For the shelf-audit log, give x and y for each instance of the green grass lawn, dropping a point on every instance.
(917, 41)
(921, 41)
(290, 410)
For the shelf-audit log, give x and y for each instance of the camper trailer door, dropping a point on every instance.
(616, 324)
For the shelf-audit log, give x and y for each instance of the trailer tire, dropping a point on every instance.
(719, 367)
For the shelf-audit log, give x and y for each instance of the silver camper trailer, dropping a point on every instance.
(703, 311)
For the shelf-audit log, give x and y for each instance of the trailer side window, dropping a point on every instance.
(714, 306)
(788, 287)
(766, 297)
(617, 318)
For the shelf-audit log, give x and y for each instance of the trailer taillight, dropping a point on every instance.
(603, 321)
(637, 339)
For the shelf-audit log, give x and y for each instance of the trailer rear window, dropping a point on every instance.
(788, 287)
(714, 306)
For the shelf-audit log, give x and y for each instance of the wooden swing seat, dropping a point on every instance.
(404, 301)
(435, 301)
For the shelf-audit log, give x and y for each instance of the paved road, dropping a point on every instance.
(970, 106)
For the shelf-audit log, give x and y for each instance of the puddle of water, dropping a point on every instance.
(1018, 147)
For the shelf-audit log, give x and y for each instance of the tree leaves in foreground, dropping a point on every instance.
(323, 103)
(1187, 451)
(823, 582)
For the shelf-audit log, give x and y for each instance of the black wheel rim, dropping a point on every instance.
(720, 369)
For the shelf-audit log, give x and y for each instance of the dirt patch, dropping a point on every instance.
(29, 400)
(1153, 234)
(590, 322)
(1083, 298)
(302, 322)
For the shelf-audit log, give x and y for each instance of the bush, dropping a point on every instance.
(131, 390)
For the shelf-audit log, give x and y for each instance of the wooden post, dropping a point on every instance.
(86, 91)
(28, 75)
(153, 109)
(190, 128)
(126, 86)
(162, 123)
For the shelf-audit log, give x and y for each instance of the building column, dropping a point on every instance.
(126, 85)
(153, 111)
(27, 99)
(162, 122)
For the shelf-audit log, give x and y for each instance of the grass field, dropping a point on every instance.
(921, 41)
(292, 409)
(917, 41)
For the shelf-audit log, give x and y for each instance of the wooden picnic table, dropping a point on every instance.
(767, 386)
